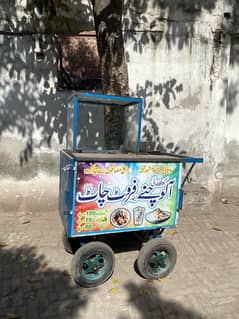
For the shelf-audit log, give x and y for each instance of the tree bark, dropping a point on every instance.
(108, 26)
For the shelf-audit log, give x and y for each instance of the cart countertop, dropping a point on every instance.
(132, 157)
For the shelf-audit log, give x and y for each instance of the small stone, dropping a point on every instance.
(224, 200)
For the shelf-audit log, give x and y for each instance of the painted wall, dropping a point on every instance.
(32, 113)
(231, 166)
(14, 18)
(185, 51)
(178, 61)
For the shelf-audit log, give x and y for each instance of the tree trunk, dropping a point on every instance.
(108, 26)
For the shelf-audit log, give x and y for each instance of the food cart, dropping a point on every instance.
(104, 192)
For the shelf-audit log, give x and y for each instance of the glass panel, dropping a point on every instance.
(94, 135)
(131, 127)
(70, 121)
(90, 127)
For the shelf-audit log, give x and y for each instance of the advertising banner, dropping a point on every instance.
(125, 196)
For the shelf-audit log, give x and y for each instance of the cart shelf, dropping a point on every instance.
(132, 157)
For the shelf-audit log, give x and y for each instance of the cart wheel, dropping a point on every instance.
(92, 264)
(68, 243)
(156, 258)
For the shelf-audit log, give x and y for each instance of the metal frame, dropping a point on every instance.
(73, 190)
(75, 123)
(194, 161)
(186, 178)
(93, 99)
(139, 124)
(69, 222)
(130, 100)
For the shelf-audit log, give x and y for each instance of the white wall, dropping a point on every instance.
(14, 18)
(231, 166)
(32, 112)
(175, 64)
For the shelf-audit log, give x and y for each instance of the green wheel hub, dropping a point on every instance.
(159, 262)
(92, 264)
(94, 267)
(156, 258)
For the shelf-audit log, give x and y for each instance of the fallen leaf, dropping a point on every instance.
(171, 232)
(140, 291)
(3, 244)
(11, 315)
(26, 222)
(113, 291)
(23, 258)
(33, 280)
(115, 281)
(163, 279)
(44, 266)
(66, 273)
(216, 228)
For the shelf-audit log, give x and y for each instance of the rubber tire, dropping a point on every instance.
(146, 252)
(68, 243)
(85, 251)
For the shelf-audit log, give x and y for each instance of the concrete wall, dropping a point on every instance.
(32, 113)
(231, 166)
(14, 18)
(178, 60)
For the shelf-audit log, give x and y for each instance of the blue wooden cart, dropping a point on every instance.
(116, 192)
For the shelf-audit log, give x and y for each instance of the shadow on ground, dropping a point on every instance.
(31, 289)
(148, 304)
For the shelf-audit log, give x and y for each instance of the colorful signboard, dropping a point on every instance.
(129, 195)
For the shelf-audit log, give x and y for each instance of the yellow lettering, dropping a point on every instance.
(113, 169)
(155, 169)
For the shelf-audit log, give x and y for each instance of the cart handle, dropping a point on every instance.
(186, 178)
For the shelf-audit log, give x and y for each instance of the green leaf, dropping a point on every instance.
(44, 266)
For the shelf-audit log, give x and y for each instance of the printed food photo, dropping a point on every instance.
(157, 216)
(120, 217)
